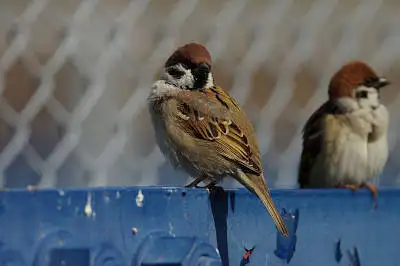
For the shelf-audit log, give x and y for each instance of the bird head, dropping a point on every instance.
(356, 81)
(189, 68)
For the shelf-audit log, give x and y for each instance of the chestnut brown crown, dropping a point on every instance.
(190, 54)
(348, 78)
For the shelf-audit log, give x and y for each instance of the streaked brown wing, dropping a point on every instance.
(313, 137)
(208, 116)
(245, 124)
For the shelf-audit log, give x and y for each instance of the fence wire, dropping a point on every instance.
(75, 75)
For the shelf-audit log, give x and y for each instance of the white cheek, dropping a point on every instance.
(373, 97)
(371, 102)
(210, 81)
(187, 80)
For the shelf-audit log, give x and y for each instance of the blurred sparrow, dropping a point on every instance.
(202, 130)
(345, 140)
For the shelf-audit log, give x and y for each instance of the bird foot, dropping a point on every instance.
(373, 189)
(209, 186)
(348, 186)
(195, 183)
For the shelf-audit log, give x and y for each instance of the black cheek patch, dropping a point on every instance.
(200, 77)
(362, 94)
(176, 73)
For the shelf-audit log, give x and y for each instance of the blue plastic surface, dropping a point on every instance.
(176, 226)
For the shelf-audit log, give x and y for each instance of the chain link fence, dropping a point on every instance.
(75, 75)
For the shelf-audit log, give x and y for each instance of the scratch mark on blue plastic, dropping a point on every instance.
(267, 262)
(246, 257)
(2, 209)
(338, 251)
(285, 247)
(232, 200)
(354, 258)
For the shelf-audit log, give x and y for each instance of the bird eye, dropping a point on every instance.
(362, 94)
(370, 82)
(176, 73)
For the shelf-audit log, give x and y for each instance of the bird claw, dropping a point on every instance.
(195, 183)
(190, 185)
(348, 186)
(373, 189)
(209, 186)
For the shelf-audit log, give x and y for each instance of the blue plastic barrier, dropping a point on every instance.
(174, 226)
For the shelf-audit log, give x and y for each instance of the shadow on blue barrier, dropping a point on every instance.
(285, 247)
(140, 226)
(219, 208)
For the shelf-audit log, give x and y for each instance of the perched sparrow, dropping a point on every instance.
(345, 140)
(202, 130)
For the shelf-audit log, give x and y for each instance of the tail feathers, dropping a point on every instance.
(261, 190)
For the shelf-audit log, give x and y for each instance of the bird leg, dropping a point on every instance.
(372, 188)
(200, 179)
(348, 186)
(374, 191)
(195, 182)
(210, 185)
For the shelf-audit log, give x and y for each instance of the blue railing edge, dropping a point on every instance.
(276, 191)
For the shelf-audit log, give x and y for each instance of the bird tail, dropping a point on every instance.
(258, 187)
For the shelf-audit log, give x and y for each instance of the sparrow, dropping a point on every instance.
(345, 140)
(202, 130)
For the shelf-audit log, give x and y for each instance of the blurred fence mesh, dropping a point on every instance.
(75, 74)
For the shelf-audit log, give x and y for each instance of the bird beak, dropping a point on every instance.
(383, 83)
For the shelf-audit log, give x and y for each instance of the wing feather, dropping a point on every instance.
(313, 137)
(209, 118)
